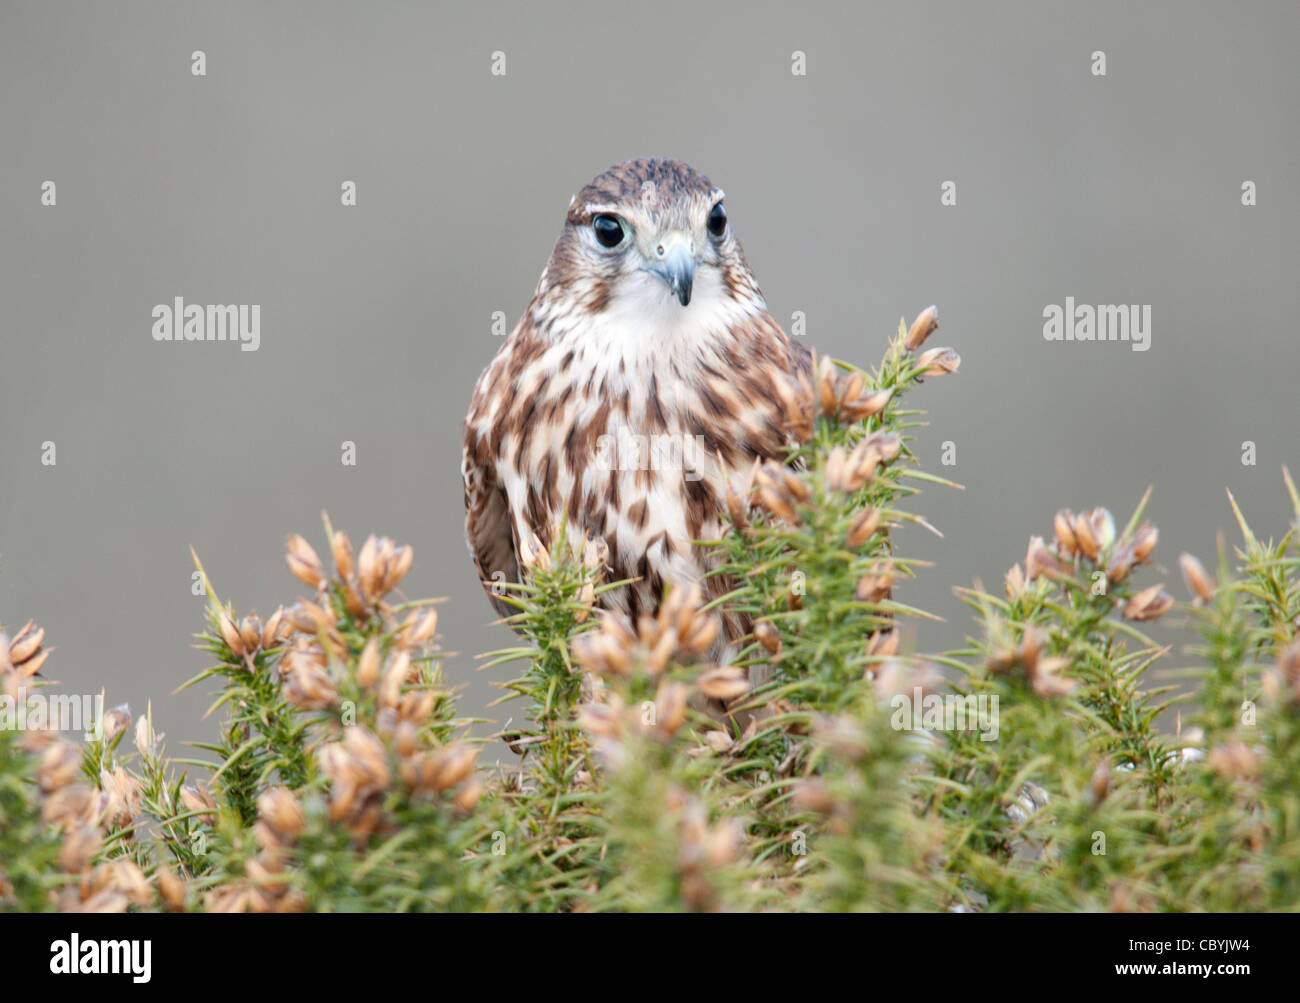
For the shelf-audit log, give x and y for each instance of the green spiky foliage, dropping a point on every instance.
(1060, 760)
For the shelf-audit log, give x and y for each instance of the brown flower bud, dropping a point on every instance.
(1121, 563)
(778, 503)
(887, 444)
(79, 847)
(1041, 561)
(1099, 784)
(116, 721)
(863, 528)
(452, 764)
(369, 664)
(395, 677)
(1198, 581)
(938, 362)
(398, 568)
(1149, 604)
(670, 706)
(836, 470)
(826, 380)
(342, 547)
(250, 631)
(1014, 583)
(368, 753)
(310, 686)
(797, 401)
(34, 664)
(230, 633)
(768, 636)
(1084, 538)
(1048, 678)
(468, 796)
(26, 643)
(1102, 525)
(198, 799)
(859, 467)
(1144, 542)
(601, 720)
(795, 485)
(58, 766)
(704, 631)
(926, 323)
(420, 626)
(723, 683)
(874, 586)
(280, 810)
(1066, 545)
(304, 563)
(857, 408)
(171, 889)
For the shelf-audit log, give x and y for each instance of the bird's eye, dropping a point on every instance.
(718, 220)
(609, 230)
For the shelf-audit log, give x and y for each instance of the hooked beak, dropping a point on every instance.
(674, 263)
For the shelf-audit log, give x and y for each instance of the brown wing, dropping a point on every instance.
(488, 528)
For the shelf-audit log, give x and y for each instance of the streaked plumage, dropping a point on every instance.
(666, 335)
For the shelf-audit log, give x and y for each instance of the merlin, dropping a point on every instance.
(644, 376)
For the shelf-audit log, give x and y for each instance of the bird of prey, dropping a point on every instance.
(644, 374)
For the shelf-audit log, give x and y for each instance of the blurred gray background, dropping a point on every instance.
(376, 320)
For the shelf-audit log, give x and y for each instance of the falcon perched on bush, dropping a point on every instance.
(645, 374)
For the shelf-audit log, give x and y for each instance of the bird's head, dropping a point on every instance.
(650, 234)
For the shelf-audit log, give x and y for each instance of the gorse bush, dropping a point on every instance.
(818, 766)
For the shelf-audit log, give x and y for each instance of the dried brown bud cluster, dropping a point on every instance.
(249, 636)
(798, 406)
(1088, 533)
(612, 719)
(592, 553)
(1045, 674)
(109, 888)
(844, 396)
(615, 650)
(1091, 536)
(681, 630)
(360, 772)
(315, 640)
(853, 470)
(263, 889)
(364, 579)
(307, 681)
(702, 850)
(781, 490)
(83, 813)
(21, 658)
